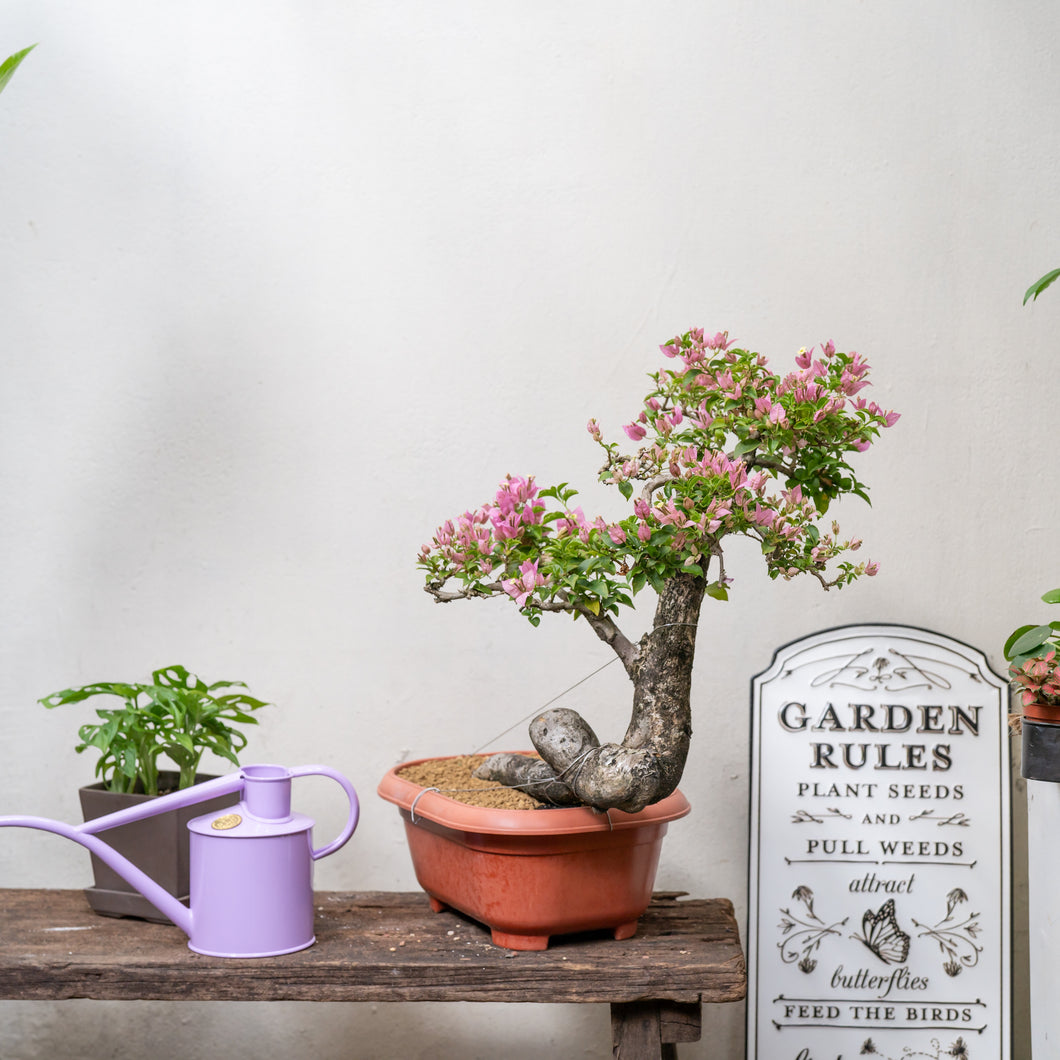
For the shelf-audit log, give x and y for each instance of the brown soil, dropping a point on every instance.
(453, 776)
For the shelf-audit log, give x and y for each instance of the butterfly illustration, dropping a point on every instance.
(882, 935)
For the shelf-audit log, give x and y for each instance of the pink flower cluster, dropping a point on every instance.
(700, 347)
(814, 381)
(469, 543)
(530, 578)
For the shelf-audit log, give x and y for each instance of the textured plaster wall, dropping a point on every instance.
(285, 284)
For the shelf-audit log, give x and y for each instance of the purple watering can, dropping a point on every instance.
(251, 865)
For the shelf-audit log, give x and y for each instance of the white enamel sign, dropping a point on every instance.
(879, 905)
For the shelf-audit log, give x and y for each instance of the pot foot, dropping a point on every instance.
(625, 931)
(519, 942)
(436, 906)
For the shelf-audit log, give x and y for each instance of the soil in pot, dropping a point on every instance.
(454, 778)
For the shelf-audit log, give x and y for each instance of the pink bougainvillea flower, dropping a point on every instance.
(530, 578)
(634, 431)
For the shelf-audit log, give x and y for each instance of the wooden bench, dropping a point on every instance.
(381, 946)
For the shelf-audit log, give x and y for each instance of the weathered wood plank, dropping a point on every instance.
(635, 1031)
(680, 1022)
(371, 946)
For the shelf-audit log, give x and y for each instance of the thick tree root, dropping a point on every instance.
(532, 775)
(574, 769)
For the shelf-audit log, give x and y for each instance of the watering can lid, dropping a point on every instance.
(236, 823)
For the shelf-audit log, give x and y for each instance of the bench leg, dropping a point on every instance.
(649, 1030)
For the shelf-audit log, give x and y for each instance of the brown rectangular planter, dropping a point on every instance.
(158, 845)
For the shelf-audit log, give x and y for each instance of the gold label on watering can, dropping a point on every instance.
(229, 820)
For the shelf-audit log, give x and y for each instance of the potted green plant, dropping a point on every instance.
(1034, 667)
(176, 717)
(723, 447)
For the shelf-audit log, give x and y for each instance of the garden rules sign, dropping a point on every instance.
(879, 905)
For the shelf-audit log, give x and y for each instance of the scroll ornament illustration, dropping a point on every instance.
(800, 945)
(956, 939)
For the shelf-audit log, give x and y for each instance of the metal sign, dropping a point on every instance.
(879, 905)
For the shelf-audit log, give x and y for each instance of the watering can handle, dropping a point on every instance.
(351, 820)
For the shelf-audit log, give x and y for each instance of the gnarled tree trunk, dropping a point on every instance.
(647, 766)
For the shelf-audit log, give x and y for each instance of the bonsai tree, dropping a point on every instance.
(177, 715)
(722, 447)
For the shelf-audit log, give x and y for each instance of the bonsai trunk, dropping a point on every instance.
(647, 766)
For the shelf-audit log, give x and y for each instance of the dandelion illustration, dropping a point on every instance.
(807, 965)
(952, 968)
(803, 894)
(954, 899)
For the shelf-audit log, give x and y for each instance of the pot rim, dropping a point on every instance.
(441, 809)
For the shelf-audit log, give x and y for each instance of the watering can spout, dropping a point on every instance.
(251, 870)
(85, 835)
(158, 896)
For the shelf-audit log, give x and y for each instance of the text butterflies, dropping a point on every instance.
(882, 935)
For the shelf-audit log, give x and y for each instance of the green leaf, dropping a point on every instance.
(1038, 286)
(1052, 596)
(11, 64)
(717, 591)
(1032, 640)
(1013, 637)
(625, 487)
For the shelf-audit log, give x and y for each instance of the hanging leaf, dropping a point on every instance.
(1036, 288)
(10, 65)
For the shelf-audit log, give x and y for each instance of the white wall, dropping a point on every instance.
(284, 285)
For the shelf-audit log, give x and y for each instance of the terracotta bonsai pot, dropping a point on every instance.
(531, 874)
(158, 845)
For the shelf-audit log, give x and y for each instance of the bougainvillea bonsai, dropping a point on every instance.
(724, 447)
